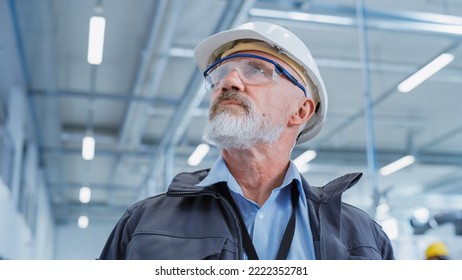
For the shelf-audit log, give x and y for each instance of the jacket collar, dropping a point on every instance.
(333, 188)
(186, 181)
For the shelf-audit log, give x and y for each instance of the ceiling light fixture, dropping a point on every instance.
(83, 222)
(421, 215)
(425, 72)
(88, 147)
(198, 155)
(96, 40)
(302, 160)
(181, 52)
(397, 165)
(85, 194)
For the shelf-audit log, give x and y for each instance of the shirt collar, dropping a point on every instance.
(220, 173)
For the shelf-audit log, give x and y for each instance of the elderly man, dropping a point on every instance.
(267, 95)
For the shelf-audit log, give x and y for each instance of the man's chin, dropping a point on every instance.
(230, 145)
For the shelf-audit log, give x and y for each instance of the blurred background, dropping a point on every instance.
(84, 134)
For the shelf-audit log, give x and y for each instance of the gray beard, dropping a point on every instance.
(225, 129)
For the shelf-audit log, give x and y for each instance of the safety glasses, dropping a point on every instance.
(252, 70)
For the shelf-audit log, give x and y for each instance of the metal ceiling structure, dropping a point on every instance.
(146, 104)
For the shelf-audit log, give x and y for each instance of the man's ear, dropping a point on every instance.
(303, 114)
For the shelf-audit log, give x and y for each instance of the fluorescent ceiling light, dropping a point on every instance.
(83, 222)
(397, 165)
(85, 194)
(88, 147)
(198, 155)
(302, 160)
(96, 40)
(421, 215)
(181, 52)
(425, 72)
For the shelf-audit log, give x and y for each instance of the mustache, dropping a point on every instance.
(230, 95)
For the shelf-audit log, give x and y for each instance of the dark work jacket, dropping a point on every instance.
(189, 222)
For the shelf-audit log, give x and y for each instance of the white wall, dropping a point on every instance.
(17, 241)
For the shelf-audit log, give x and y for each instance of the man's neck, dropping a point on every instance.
(257, 170)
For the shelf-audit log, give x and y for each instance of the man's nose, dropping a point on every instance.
(231, 81)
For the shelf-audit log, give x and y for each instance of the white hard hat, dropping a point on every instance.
(210, 50)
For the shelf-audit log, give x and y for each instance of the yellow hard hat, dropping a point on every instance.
(437, 250)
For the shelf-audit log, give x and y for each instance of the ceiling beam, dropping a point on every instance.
(450, 183)
(60, 151)
(111, 97)
(431, 201)
(69, 212)
(96, 186)
(441, 138)
(345, 16)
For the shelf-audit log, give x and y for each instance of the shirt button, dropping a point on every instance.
(261, 215)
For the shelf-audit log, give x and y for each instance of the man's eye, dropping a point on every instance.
(255, 70)
(261, 68)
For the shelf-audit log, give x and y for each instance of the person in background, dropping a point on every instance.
(267, 95)
(437, 251)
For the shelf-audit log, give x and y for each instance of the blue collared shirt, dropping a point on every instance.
(266, 224)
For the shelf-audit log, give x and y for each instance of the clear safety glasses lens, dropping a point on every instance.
(251, 71)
